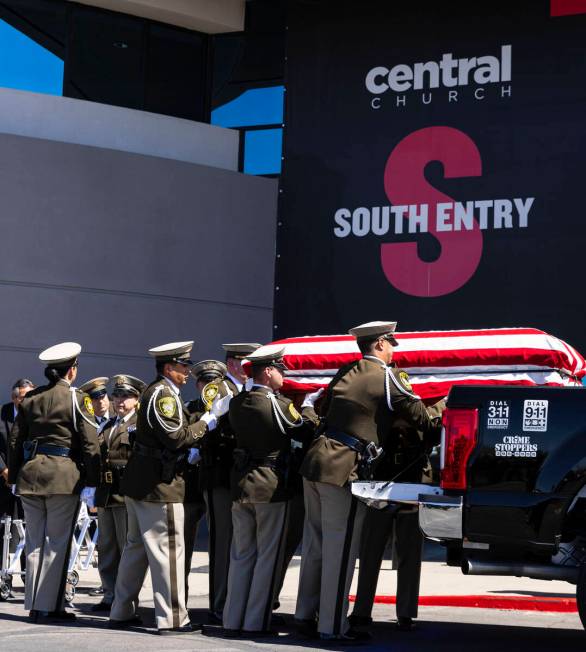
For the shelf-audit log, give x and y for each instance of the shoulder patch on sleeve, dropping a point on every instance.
(404, 378)
(167, 406)
(401, 382)
(87, 401)
(293, 412)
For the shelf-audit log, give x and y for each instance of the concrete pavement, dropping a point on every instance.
(441, 627)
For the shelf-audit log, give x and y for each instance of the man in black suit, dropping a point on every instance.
(10, 504)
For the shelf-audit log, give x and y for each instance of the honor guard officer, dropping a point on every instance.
(405, 460)
(97, 390)
(360, 407)
(217, 460)
(116, 439)
(53, 453)
(154, 490)
(204, 372)
(264, 423)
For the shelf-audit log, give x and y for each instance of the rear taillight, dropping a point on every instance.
(459, 435)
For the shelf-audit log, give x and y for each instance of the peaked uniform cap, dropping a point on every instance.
(209, 368)
(374, 329)
(267, 355)
(128, 384)
(240, 350)
(95, 387)
(174, 351)
(60, 354)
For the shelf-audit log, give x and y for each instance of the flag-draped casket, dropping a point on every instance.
(436, 360)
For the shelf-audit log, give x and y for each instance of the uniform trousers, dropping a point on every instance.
(256, 559)
(294, 536)
(112, 528)
(49, 528)
(219, 519)
(331, 540)
(154, 541)
(193, 512)
(379, 525)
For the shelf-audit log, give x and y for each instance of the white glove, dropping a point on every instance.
(220, 406)
(210, 419)
(248, 384)
(311, 399)
(194, 456)
(13, 489)
(88, 495)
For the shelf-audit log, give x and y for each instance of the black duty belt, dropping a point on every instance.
(352, 442)
(51, 449)
(114, 474)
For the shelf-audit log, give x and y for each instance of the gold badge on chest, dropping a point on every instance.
(208, 394)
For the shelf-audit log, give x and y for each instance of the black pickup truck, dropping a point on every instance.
(512, 493)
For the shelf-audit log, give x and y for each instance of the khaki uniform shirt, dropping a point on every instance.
(356, 404)
(115, 446)
(56, 415)
(163, 427)
(262, 476)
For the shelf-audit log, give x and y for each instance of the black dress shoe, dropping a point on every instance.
(229, 633)
(405, 624)
(359, 621)
(258, 633)
(101, 606)
(99, 591)
(66, 616)
(135, 621)
(176, 631)
(306, 628)
(279, 620)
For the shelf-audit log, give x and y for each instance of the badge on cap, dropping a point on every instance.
(208, 394)
(167, 406)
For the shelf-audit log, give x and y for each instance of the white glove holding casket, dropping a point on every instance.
(194, 456)
(311, 399)
(210, 419)
(220, 406)
(88, 495)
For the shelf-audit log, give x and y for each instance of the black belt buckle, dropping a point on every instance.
(108, 477)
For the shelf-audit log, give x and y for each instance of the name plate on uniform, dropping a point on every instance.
(383, 494)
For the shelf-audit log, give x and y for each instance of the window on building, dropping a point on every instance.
(258, 115)
(27, 66)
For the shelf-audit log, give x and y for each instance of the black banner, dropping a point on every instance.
(433, 169)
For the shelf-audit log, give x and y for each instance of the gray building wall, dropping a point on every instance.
(121, 252)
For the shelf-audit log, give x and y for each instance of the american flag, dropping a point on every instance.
(436, 360)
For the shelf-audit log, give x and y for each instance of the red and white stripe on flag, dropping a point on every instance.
(436, 360)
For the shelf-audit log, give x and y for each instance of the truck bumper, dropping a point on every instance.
(440, 517)
(382, 495)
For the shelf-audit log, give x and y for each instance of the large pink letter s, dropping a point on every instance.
(405, 184)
